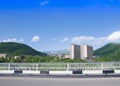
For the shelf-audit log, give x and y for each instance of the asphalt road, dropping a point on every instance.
(32, 81)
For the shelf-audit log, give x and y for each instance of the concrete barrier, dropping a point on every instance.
(74, 72)
(108, 71)
(18, 71)
(44, 72)
(92, 72)
(77, 72)
(31, 72)
(117, 71)
(6, 71)
(60, 72)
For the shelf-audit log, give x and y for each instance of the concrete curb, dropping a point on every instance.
(46, 72)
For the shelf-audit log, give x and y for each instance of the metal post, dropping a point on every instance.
(8, 66)
(68, 67)
(101, 66)
(36, 67)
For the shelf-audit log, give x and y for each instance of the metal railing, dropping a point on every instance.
(60, 66)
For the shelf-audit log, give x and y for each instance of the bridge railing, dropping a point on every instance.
(61, 66)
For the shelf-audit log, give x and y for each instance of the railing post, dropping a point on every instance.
(8, 66)
(36, 67)
(68, 66)
(101, 66)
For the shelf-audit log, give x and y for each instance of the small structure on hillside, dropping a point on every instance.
(3, 55)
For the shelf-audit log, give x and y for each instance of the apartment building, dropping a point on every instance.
(81, 52)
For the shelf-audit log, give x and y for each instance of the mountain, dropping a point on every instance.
(107, 49)
(59, 52)
(109, 52)
(13, 48)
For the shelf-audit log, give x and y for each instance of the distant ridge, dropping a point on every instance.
(13, 48)
(58, 52)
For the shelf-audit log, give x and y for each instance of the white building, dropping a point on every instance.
(67, 57)
(81, 52)
(74, 51)
(3, 55)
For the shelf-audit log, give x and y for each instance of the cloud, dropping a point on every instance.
(44, 3)
(35, 39)
(12, 40)
(21, 40)
(65, 39)
(82, 38)
(115, 36)
(97, 42)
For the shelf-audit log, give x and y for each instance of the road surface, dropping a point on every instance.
(29, 81)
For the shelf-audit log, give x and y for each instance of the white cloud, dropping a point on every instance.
(44, 3)
(82, 38)
(115, 36)
(97, 41)
(65, 39)
(12, 40)
(35, 39)
(21, 40)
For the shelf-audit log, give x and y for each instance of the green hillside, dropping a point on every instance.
(109, 52)
(13, 48)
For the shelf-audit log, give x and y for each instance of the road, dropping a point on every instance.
(29, 81)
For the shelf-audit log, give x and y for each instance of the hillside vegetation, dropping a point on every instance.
(13, 49)
(109, 52)
(25, 53)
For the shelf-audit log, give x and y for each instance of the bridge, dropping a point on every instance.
(93, 68)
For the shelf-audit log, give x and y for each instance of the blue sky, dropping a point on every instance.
(54, 24)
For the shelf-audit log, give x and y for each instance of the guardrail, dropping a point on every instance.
(60, 68)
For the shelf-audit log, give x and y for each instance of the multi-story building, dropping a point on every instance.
(74, 51)
(81, 52)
